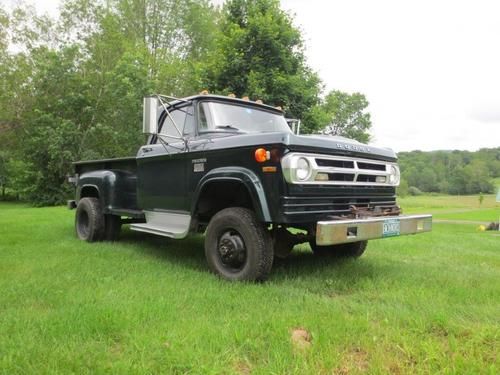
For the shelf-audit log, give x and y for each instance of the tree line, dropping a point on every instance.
(72, 87)
(449, 172)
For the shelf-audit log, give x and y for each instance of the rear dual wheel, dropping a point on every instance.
(112, 227)
(92, 225)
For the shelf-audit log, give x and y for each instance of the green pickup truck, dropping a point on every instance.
(234, 170)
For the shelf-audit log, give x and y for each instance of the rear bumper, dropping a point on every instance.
(343, 231)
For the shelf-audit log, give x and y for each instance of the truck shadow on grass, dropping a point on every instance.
(185, 253)
(330, 276)
(301, 265)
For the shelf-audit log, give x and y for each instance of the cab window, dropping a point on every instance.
(203, 115)
(168, 128)
(189, 124)
(184, 120)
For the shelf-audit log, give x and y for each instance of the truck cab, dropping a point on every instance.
(234, 170)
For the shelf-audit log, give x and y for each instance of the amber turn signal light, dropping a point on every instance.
(261, 155)
(269, 169)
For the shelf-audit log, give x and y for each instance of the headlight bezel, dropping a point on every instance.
(394, 175)
(306, 167)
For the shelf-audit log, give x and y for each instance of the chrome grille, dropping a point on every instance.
(341, 170)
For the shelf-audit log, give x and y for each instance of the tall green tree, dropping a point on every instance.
(342, 114)
(4, 23)
(73, 89)
(259, 53)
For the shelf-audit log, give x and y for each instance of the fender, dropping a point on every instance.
(103, 181)
(85, 184)
(113, 187)
(239, 174)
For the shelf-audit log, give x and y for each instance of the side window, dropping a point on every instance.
(168, 128)
(203, 113)
(189, 125)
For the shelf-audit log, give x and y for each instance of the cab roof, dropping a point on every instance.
(204, 97)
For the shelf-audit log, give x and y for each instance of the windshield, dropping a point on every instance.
(234, 117)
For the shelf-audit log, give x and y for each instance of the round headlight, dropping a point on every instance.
(303, 170)
(394, 175)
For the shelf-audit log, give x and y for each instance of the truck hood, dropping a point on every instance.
(321, 144)
(337, 145)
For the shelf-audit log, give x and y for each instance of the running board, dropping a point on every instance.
(153, 230)
(167, 224)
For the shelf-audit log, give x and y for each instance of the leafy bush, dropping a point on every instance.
(412, 190)
(402, 190)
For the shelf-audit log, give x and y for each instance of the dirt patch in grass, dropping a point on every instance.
(354, 360)
(242, 368)
(301, 339)
(116, 350)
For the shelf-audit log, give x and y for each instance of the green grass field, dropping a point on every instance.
(418, 304)
(449, 207)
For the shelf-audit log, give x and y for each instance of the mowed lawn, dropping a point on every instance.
(417, 304)
(450, 207)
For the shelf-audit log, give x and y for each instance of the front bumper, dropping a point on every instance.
(343, 231)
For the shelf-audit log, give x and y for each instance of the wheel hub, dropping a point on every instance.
(232, 250)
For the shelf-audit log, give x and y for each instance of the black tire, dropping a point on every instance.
(346, 250)
(237, 246)
(282, 244)
(282, 250)
(89, 220)
(112, 227)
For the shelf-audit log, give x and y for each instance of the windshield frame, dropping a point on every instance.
(250, 105)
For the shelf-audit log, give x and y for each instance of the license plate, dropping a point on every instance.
(391, 228)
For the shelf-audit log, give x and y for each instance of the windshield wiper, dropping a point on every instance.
(229, 127)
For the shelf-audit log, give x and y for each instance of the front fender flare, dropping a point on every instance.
(242, 175)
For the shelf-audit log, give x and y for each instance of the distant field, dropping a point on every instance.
(486, 215)
(452, 207)
(420, 304)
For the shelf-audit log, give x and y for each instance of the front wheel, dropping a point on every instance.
(237, 246)
(348, 250)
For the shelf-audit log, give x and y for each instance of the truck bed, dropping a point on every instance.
(127, 164)
(117, 183)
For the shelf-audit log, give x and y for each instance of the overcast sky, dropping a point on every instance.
(429, 68)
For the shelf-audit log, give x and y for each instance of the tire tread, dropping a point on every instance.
(95, 216)
(259, 237)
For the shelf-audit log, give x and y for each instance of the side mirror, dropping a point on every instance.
(150, 115)
(294, 124)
